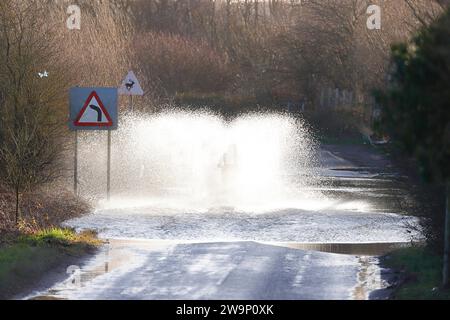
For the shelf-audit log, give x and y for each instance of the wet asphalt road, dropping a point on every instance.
(235, 270)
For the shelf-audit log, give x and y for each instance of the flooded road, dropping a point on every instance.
(347, 203)
(316, 248)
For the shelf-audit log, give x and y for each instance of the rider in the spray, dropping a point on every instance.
(228, 165)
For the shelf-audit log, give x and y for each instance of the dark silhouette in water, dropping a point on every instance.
(228, 164)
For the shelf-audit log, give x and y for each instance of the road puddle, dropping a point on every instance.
(357, 249)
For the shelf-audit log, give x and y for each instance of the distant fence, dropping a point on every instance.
(345, 100)
(336, 99)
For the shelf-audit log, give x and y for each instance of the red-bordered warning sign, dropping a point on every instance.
(93, 113)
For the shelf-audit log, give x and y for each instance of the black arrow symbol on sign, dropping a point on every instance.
(99, 112)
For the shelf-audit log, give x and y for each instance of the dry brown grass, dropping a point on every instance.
(40, 210)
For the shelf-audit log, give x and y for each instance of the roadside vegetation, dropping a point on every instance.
(25, 258)
(417, 117)
(420, 274)
(34, 198)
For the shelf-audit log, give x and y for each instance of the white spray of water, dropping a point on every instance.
(196, 161)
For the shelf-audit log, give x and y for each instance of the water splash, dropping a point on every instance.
(197, 161)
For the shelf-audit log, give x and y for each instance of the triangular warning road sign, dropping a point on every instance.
(131, 86)
(93, 113)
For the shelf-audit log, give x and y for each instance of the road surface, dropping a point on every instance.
(234, 270)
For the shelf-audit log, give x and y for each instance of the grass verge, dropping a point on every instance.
(421, 274)
(24, 260)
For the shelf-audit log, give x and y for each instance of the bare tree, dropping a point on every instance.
(33, 82)
(426, 11)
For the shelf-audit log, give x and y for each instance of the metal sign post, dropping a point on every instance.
(75, 166)
(108, 170)
(93, 109)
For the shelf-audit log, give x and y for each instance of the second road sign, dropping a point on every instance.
(131, 86)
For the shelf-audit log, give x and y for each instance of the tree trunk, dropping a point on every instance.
(17, 206)
(445, 272)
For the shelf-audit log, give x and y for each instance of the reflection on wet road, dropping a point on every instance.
(234, 270)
